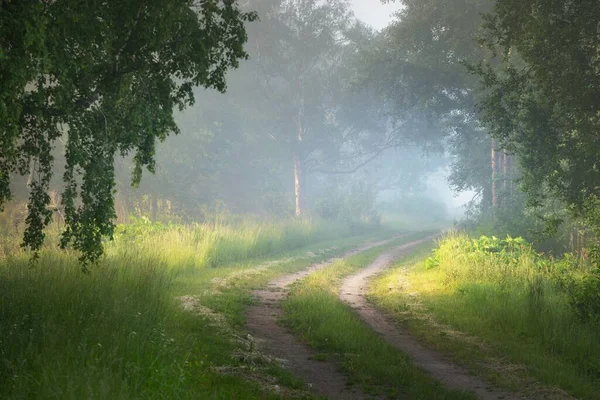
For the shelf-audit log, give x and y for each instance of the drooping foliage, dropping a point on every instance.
(294, 98)
(101, 78)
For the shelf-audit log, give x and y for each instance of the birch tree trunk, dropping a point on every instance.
(298, 170)
(298, 187)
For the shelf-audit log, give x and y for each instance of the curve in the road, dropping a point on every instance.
(322, 377)
(353, 292)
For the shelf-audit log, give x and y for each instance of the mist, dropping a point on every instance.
(236, 150)
(298, 199)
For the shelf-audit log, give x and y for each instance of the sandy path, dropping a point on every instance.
(322, 377)
(353, 291)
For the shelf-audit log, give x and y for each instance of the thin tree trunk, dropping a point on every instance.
(504, 178)
(298, 189)
(493, 156)
(154, 208)
(511, 184)
(298, 170)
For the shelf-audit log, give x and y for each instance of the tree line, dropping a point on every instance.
(503, 91)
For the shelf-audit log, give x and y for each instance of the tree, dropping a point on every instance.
(419, 68)
(542, 102)
(249, 136)
(106, 75)
(301, 54)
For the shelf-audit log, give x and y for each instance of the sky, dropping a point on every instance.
(373, 12)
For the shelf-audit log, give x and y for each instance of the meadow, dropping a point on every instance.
(121, 332)
(516, 317)
(163, 315)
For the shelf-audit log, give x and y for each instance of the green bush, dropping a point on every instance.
(513, 261)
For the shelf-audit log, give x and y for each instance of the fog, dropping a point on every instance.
(303, 129)
(374, 12)
(331, 110)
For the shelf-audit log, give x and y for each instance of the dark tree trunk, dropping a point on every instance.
(494, 173)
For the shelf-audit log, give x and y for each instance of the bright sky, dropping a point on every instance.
(373, 12)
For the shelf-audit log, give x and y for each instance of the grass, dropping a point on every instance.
(501, 313)
(220, 242)
(120, 332)
(315, 312)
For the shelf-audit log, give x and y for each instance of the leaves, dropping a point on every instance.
(105, 75)
(542, 100)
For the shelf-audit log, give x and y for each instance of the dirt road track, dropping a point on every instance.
(353, 292)
(322, 377)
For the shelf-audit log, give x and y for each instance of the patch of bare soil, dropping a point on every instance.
(322, 377)
(353, 292)
(250, 363)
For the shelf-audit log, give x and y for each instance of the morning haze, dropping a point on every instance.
(292, 199)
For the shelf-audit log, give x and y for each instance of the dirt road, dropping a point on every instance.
(353, 292)
(322, 377)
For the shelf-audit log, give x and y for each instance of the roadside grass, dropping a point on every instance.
(120, 332)
(508, 322)
(315, 312)
(222, 242)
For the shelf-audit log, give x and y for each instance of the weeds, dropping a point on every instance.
(518, 304)
(121, 332)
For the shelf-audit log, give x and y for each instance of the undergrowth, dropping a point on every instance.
(120, 332)
(531, 311)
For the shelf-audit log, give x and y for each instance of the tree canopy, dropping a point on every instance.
(542, 102)
(101, 78)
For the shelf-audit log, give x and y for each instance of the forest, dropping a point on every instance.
(300, 199)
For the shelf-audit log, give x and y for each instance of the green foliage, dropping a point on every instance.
(211, 244)
(514, 258)
(106, 76)
(120, 333)
(432, 262)
(354, 204)
(584, 295)
(540, 102)
(492, 304)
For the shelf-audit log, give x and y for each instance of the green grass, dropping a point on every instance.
(120, 331)
(220, 243)
(315, 312)
(502, 314)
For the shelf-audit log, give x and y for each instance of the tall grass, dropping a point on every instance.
(514, 299)
(118, 332)
(315, 311)
(65, 335)
(220, 243)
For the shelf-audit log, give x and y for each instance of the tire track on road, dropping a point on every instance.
(322, 377)
(353, 291)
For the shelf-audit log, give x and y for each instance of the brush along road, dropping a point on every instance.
(353, 292)
(322, 377)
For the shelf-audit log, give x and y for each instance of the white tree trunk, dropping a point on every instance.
(298, 189)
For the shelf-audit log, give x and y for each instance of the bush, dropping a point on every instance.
(513, 261)
(584, 296)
